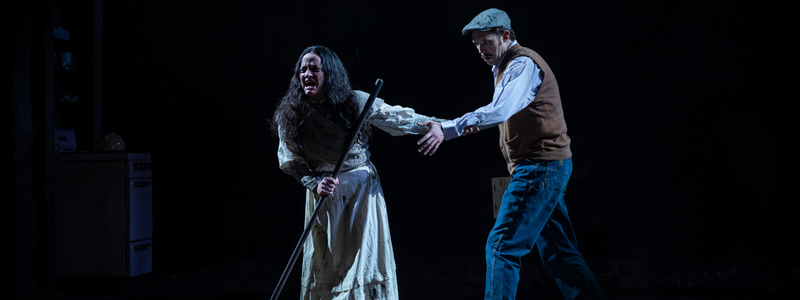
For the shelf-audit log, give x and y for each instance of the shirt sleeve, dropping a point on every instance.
(396, 120)
(515, 91)
(293, 163)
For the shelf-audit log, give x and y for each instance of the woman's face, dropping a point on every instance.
(311, 76)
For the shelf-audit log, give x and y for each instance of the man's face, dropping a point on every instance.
(312, 77)
(490, 45)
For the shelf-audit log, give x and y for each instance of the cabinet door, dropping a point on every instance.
(141, 209)
(140, 258)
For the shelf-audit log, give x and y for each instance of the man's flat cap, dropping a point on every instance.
(488, 19)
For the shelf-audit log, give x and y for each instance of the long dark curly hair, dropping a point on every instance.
(341, 103)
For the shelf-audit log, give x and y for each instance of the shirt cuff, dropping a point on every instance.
(449, 129)
(311, 182)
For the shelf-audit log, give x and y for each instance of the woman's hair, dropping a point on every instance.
(341, 104)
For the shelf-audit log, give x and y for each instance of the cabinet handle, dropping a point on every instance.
(142, 247)
(141, 184)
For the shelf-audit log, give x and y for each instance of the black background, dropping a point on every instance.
(679, 113)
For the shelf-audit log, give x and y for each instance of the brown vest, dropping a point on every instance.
(538, 132)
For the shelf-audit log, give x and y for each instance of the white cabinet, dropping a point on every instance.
(103, 214)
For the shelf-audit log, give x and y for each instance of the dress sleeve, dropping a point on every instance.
(293, 163)
(396, 120)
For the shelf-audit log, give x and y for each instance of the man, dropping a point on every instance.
(526, 106)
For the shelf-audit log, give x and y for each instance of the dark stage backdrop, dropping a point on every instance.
(677, 113)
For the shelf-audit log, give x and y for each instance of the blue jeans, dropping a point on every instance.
(533, 213)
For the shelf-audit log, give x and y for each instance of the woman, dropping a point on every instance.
(348, 254)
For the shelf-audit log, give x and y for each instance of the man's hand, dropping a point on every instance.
(470, 130)
(431, 141)
(327, 185)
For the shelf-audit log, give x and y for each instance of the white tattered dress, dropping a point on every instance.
(348, 254)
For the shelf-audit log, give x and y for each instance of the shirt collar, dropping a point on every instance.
(494, 68)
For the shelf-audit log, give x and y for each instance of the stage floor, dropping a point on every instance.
(630, 279)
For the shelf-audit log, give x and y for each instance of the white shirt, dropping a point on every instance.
(516, 91)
